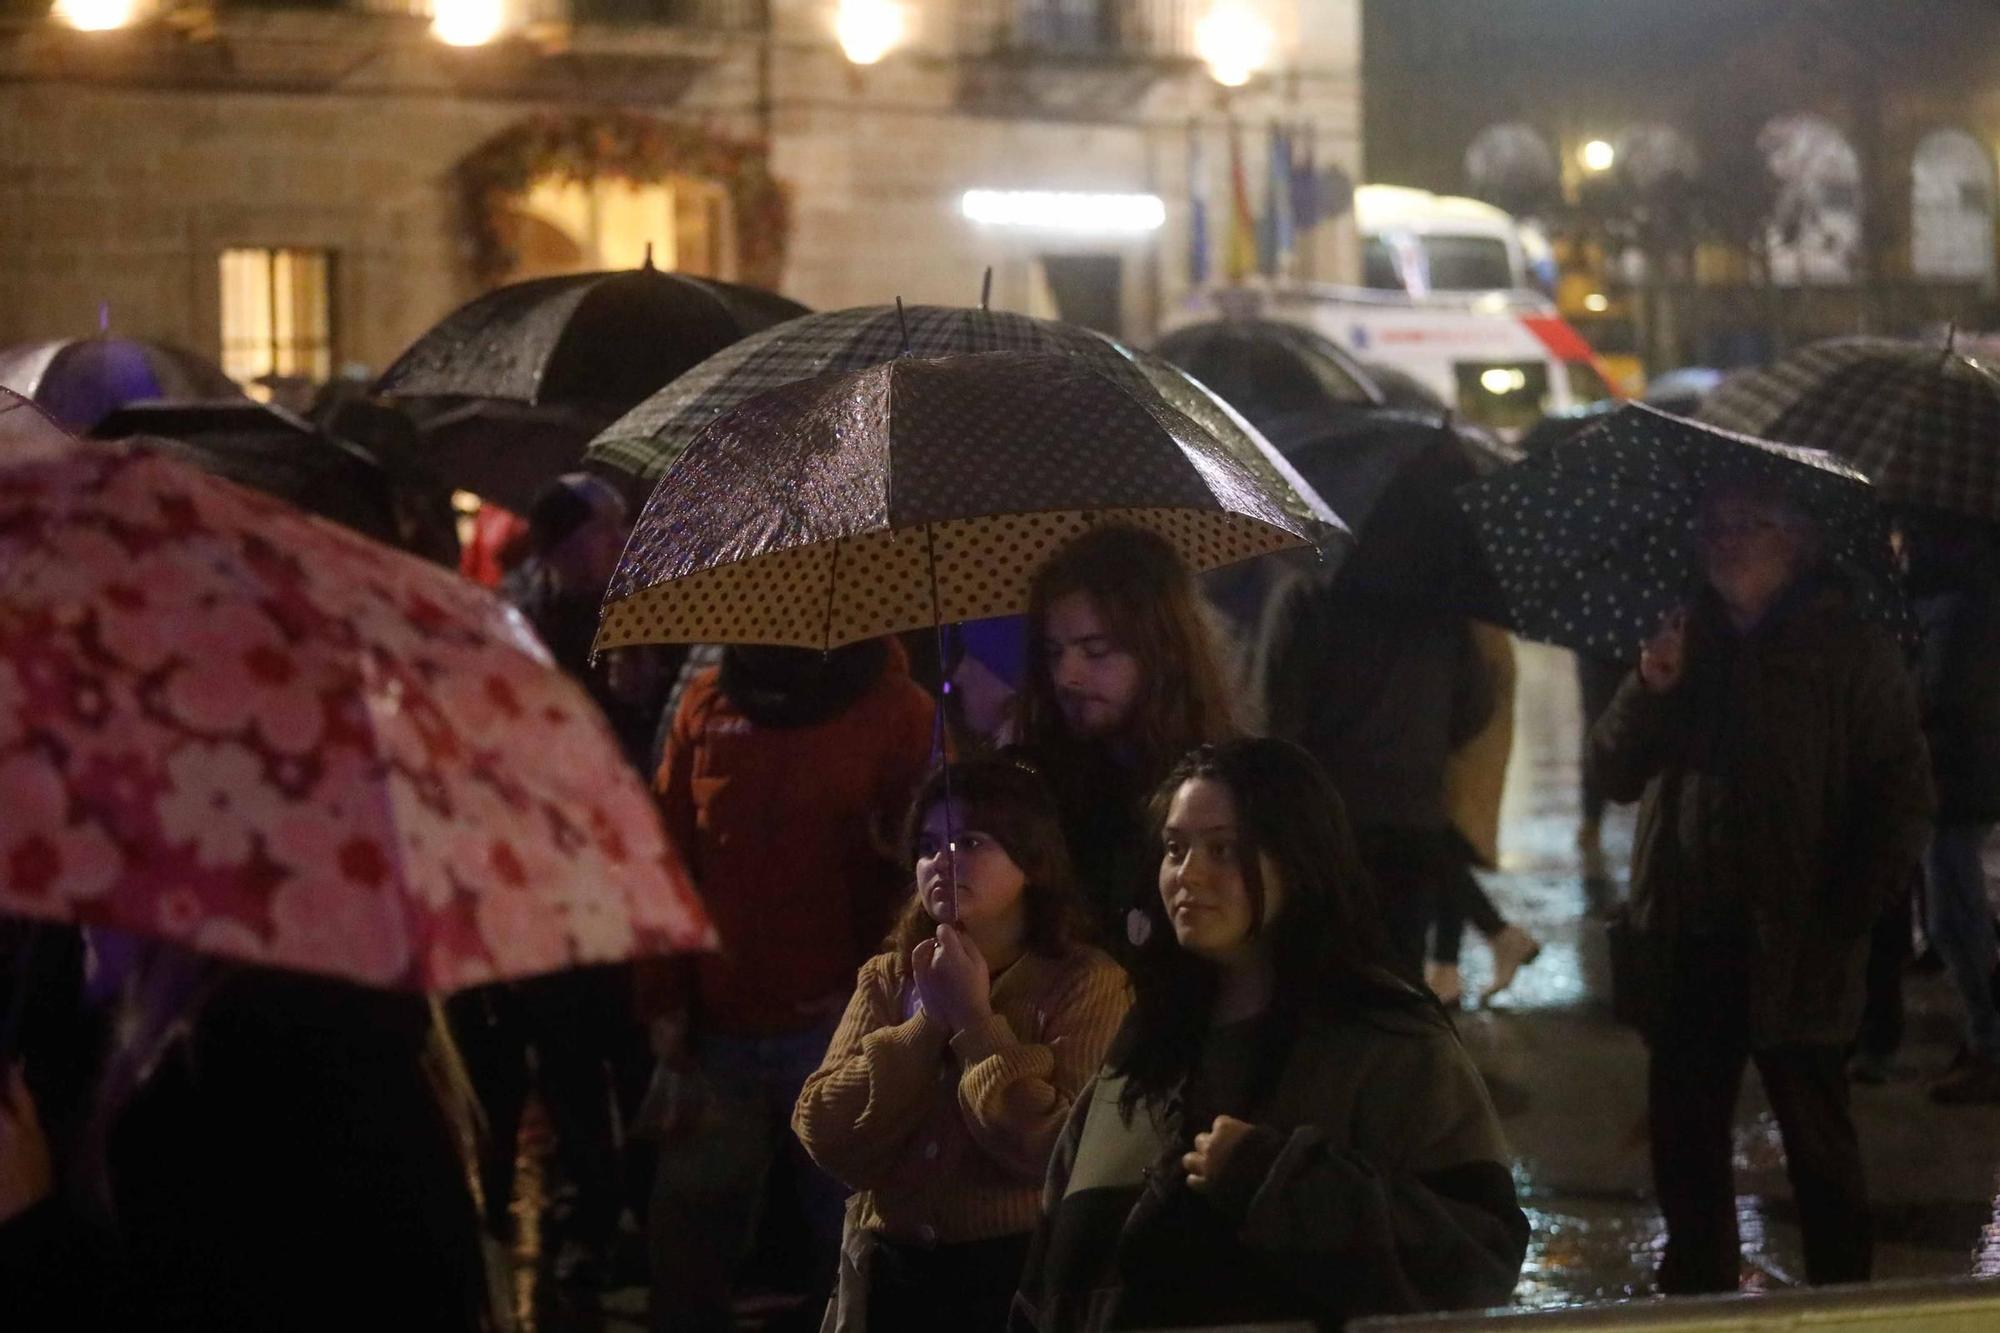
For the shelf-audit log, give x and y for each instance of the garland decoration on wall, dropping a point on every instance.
(582, 146)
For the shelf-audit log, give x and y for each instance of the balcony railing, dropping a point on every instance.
(697, 15)
(1082, 30)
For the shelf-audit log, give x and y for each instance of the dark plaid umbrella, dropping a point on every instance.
(80, 381)
(646, 441)
(1921, 420)
(598, 340)
(1592, 540)
(919, 492)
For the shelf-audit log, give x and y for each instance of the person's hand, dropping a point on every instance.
(27, 1176)
(954, 984)
(1212, 1150)
(1663, 658)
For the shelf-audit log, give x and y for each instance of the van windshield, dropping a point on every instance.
(1468, 264)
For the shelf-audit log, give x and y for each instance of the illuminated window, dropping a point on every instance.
(277, 313)
(686, 221)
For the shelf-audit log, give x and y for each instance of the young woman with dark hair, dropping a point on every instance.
(1287, 1128)
(959, 1056)
(1123, 677)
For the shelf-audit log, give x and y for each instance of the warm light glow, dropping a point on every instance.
(868, 29)
(468, 22)
(96, 15)
(1057, 210)
(1597, 155)
(1500, 380)
(1234, 42)
(1597, 303)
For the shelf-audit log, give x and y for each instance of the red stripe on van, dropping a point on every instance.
(1564, 343)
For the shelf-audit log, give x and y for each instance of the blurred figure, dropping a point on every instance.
(785, 772)
(261, 1150)
(1774, 739)
(1287, 1128)
(1955, 578)
(1123, 677)
(958, 1059)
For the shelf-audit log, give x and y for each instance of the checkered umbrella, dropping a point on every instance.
(919, 492)
(1922, 421)
(1593, 539)
(644, 443)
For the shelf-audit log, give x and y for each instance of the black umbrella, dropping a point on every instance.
(1268, 369)
(919, 492)
(1921, 420)
(601, 341)
(1592, 540)
(269, 449)
(80, 381)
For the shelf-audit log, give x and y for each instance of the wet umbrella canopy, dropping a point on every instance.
(1920, 420)
(918, 492)
(1593, 539)
(599, 340)
(80, 381)
(646, 441)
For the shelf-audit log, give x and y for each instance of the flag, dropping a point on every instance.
(1305, 181)
(1197, 210)
(1239, 255)
(1274, 237)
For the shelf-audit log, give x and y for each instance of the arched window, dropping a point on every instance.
(1511, 165)
(1655, 157)
(1814, 233)
(1951, 209)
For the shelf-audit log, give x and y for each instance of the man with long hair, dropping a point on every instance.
(1123, 679)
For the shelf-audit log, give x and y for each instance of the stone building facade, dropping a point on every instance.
(133, 161)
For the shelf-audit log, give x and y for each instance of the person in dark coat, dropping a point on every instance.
(1774, 739)
(1955, 578)
(1381, 692)
(1287, 1129)
(1123, 678)
(262, 1150)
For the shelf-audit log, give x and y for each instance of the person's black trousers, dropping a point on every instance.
(1698, 1058)
(1412, 867)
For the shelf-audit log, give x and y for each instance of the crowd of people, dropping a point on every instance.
(1094, 991)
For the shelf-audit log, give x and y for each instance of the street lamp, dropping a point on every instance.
(96, 15)
(1234, 42)
(1597, 155)
(868, 29)
(468, 22)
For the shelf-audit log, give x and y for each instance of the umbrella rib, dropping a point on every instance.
(832, 590)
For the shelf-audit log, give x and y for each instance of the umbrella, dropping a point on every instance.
(1593, 539)
(1268, 369)
(271, 450)
(249, 732)
(1921, 420)
(80, 381)
(26, 432)
(1395, 475)
(599, 340)
(644, 443)
(509, 388)
(918, 492)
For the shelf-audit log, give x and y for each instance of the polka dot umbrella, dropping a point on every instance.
(919, 492)
(1592, 540)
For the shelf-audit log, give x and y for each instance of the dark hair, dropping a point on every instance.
(1006, 800)
(1328, 944)
(1143, 590)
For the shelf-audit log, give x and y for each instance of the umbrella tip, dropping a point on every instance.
(647, 264)
(986, 290)
(903, 325)
(103, 318)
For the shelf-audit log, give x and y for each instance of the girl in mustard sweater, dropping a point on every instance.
(959, 1056)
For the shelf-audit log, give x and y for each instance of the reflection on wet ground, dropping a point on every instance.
(1570, 1085)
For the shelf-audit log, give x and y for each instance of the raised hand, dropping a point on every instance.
(954, 984)
(1212, 1149)
(1663, 658)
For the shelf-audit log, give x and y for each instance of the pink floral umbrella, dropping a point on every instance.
(234, 726)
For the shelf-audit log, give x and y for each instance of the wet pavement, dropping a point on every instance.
(1570, 1086)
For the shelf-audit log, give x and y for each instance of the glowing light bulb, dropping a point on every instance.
(1234, 42)
(1597, 303)
(96, 15)
(868, 29)
(1502, 380)
(468, 22)
(1597, 155)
